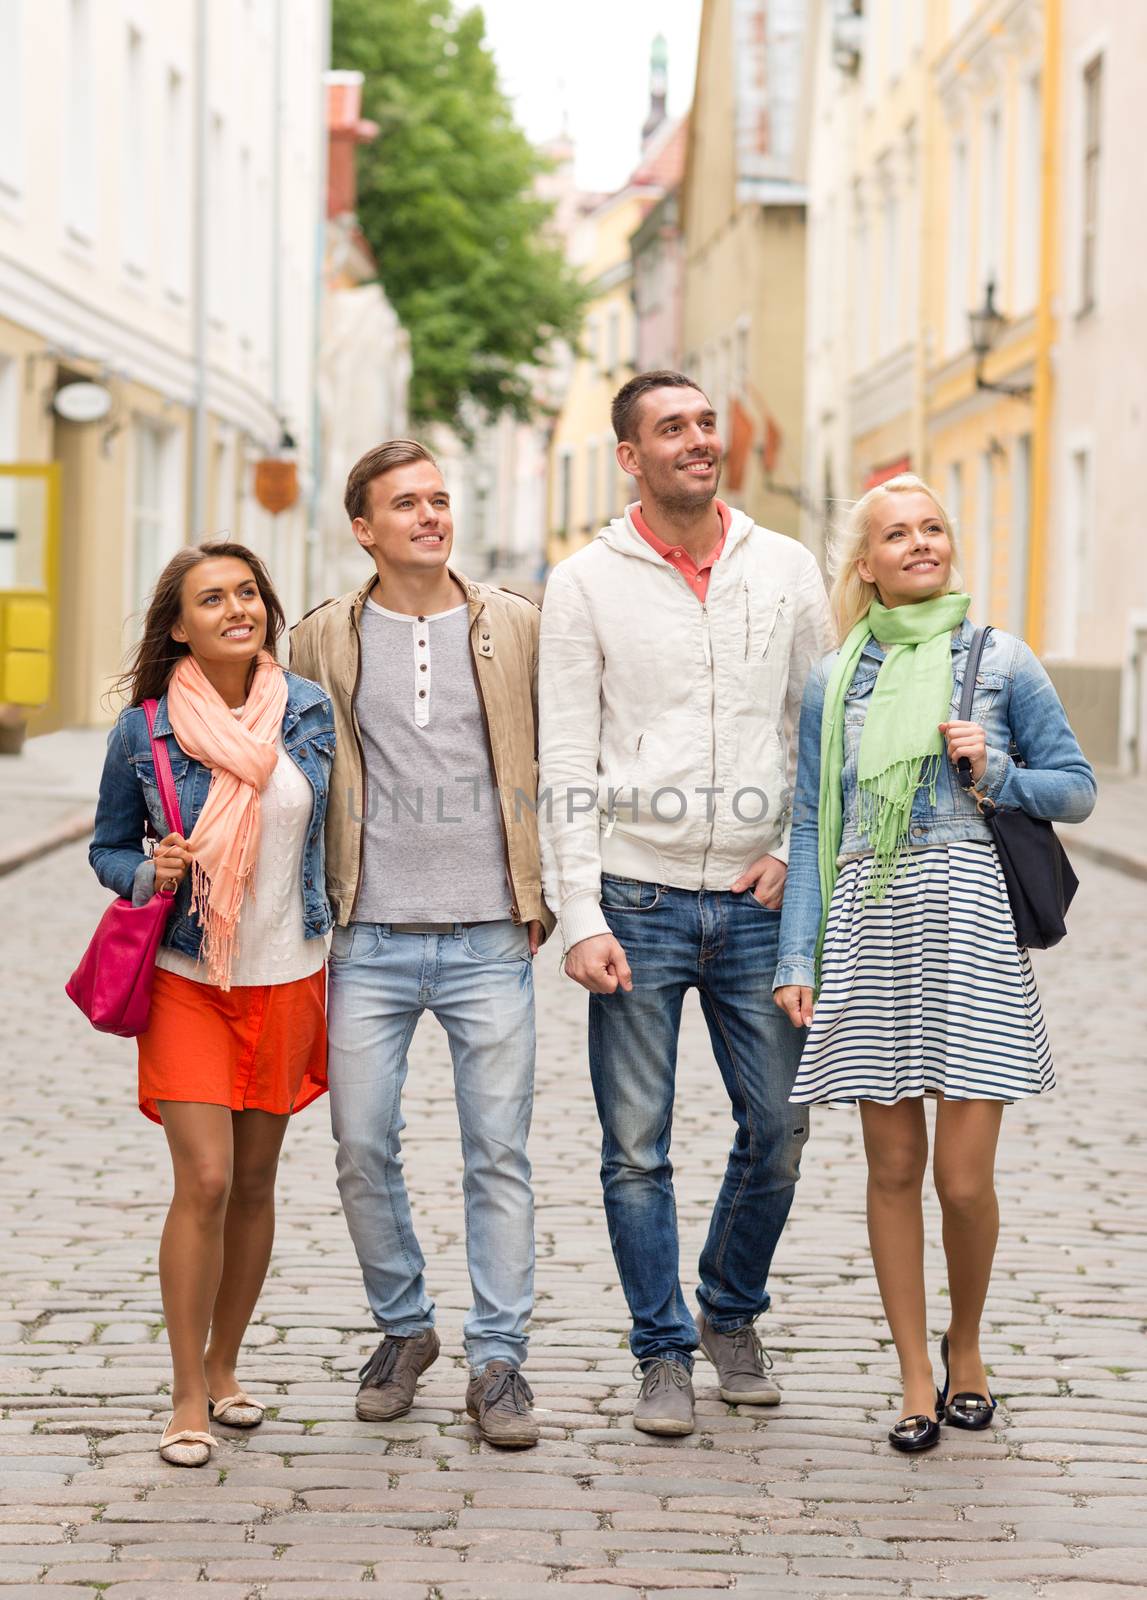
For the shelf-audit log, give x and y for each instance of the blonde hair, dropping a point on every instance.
(850, 596)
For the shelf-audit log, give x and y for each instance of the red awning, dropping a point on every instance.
(892, 469)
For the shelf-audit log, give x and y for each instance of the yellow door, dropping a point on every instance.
(29, 586)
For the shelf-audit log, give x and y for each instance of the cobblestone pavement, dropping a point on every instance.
(805, 1500)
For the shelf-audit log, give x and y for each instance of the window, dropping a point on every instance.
(863, 309)
(954, 506)
(613, 340)
(79, 134)
(177, 195)
(218, 234)
(565, 490)
(1029, 194)
(223, 519)
(741, 358)
(591, 481)
(133, 172)
(991, 230)
(592, 340)
(1092, 131)
(890, 285)
(9, 451)
(956, 321)
(245, 279)
(1020, 535)
(156, 526)
(1078, 566)
(985, 522)
(11, 103)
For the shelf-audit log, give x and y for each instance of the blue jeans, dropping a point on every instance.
(479, 983)
(725, 946)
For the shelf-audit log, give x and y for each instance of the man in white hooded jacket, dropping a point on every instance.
(674, 653)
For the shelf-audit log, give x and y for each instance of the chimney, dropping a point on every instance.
(346, 130)
(658, 88)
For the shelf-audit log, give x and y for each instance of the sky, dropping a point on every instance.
(587, 63)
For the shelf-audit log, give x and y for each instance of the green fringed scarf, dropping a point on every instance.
(900, 747)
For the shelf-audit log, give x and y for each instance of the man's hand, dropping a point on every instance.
(766, 878)
(534, 930)
(796, 1003)
(599, 965)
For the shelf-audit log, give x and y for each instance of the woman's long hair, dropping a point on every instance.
(850, 596)
(156, 655)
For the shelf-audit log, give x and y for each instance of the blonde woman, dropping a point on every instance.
(896, 920)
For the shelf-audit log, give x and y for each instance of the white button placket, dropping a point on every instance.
(420, 634)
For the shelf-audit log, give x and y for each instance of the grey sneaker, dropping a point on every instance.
(499, 1400)
(665, 1403)
(390, 1376)
(742, 1362)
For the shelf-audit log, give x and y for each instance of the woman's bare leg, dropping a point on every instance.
(249, 1232)
(964, 1169)
(191, 1249)
(896, 1145)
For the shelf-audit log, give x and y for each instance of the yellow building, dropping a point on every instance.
(987, 247)
(586, 486)
(743, 221)
(155, 248)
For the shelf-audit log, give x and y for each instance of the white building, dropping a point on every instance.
(1097, 568)
(161, 176)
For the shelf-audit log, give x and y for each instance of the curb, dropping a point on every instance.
(1105, 856)
(76, 826)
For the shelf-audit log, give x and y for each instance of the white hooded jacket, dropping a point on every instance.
(667, 735)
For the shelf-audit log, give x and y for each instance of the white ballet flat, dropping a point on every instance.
(186, 1448)
(237, 1411)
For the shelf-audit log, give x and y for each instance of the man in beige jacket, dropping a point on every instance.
(432, 865)
(674, 653)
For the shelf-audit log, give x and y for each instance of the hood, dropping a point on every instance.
(622, 536)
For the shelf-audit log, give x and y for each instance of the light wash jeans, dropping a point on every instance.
(479, 983)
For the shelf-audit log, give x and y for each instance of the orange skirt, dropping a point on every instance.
(262, 1047)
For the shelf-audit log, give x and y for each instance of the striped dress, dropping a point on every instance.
(925, 991)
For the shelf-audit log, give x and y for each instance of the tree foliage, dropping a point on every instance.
(446, 201)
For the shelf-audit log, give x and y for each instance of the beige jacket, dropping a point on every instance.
(326, 647)
(668, 748)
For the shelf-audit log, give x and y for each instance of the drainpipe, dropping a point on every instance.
(199, 281)
(277, 211)
(1045, 333)
(315, 584)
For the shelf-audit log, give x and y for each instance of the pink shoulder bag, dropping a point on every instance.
(112, 984)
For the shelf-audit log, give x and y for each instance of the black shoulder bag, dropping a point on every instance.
(1038, 875)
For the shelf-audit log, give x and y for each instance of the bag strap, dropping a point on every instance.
(975, 652)
(163, 774)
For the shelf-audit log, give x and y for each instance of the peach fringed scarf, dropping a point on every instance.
(241, 752)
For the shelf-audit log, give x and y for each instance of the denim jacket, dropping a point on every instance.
(129, 800)
(1034, 765)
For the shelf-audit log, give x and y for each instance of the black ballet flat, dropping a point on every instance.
(911, 1434)
(967, 1410)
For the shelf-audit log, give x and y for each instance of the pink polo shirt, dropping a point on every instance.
(696, 574)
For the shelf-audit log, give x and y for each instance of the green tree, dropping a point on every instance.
(446, 201)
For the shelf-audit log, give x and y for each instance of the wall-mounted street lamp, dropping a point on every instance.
(985, 326)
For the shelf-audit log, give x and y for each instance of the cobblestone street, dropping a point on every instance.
(805, 1500)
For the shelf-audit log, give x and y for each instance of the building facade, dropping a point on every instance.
(1094, 585)
(161, 174)
(743, 221)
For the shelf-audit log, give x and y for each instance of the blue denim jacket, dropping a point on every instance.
(1034, 765)
(129, 799)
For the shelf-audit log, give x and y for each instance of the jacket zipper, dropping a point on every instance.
(515, 913)
(748, 618)
(708, 643)
(773, 625)
(361, 767)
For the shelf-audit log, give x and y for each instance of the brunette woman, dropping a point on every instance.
(236, 1039)
(896, 905)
